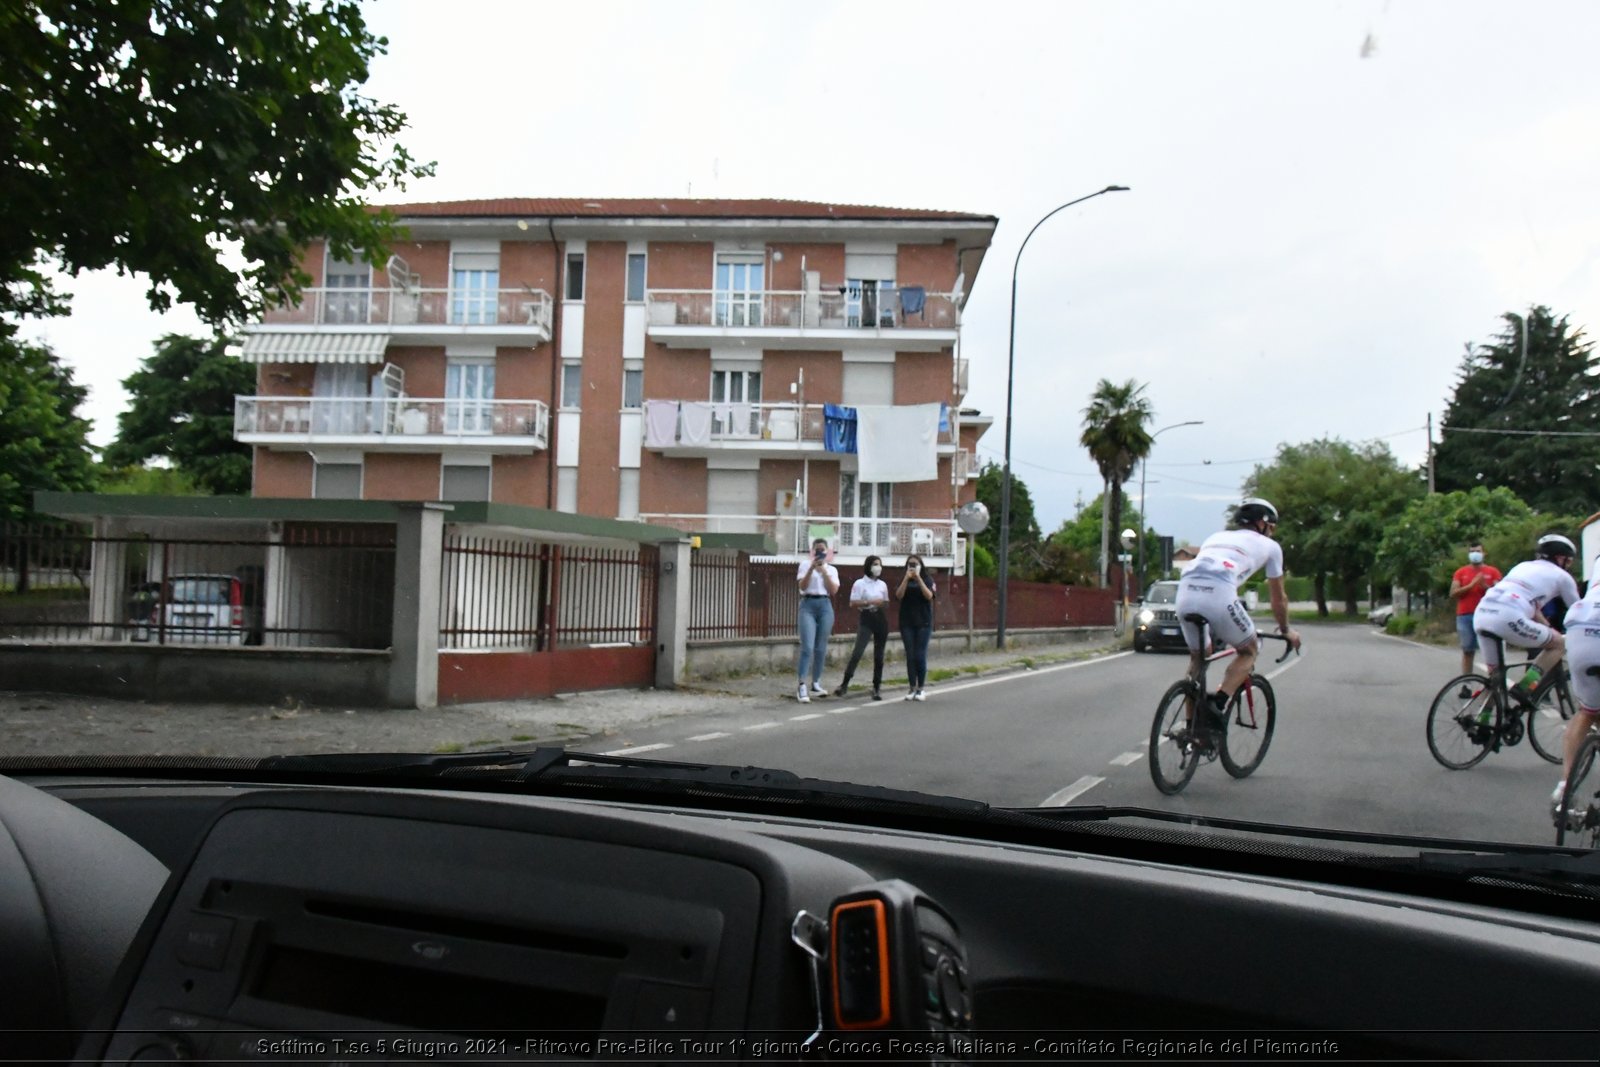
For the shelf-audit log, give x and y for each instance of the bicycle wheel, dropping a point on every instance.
(1547, 723)
(1583, 794)
(1458, 735)
(1172, 755)
(1251, 716)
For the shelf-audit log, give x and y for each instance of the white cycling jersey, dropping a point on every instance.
(1236, 555)
(1528, 587)
(1583, 647)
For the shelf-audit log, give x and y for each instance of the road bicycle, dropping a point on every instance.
(1578, 822)
(1476, 714)
(1178, 747)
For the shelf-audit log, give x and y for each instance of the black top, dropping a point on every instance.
(916, 609)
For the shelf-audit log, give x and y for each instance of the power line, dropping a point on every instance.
(1522, 433)
(1038, 467)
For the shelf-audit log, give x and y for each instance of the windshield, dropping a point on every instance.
(827, 404)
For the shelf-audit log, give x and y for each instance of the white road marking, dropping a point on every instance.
(840, 711)
(1127, 758)
(636, 749)
(710, 737)
(764, 726)
(1033, 673)
(1293, 662)
(1072, 792)
(803, 718)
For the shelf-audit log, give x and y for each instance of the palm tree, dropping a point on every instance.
(1116, 433)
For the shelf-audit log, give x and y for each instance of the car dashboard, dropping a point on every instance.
(257, 921)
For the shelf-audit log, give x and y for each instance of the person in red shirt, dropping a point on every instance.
(1467, 586)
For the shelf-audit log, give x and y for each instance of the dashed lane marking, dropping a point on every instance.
(718, 736)
(803, 718)
(763, 726)
(1066, 796)
(636, 749)
(1127, 758)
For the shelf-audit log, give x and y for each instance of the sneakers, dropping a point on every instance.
(1559, 818)
(1466, 692)
(918, 695)
(817, 690)
(844, 687)
(876, 695)
(804, 697)
(911, 694)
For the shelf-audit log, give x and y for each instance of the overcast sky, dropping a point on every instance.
(1329, 199)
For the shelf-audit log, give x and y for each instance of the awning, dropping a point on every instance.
(314, 346)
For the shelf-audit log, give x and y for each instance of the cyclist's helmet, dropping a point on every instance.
(1552, 545)
(1255, 510)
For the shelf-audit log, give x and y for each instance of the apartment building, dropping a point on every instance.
(756, 371)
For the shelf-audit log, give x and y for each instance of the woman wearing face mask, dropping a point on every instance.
(869, 596)
(916, 593)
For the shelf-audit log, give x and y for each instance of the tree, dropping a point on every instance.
(1423, 546)
(180, 409)
(1024, 527)
(1116, 433)
(1537, 375)
(171, 137)
(44, 444)
(1335, 501)
(1070, 553)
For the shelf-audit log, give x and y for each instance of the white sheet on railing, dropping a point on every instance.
(696, 418)
(898, 443)
(660, 423)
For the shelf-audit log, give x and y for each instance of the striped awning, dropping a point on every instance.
(313, 346)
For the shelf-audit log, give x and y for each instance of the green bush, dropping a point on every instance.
(1402, 625)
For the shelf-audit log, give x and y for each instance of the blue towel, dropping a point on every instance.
(838, 428)
(912, 298)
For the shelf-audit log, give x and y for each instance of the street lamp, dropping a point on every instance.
(1011, 363)
(1144, 521)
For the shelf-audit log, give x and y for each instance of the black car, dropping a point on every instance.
(1155, 620)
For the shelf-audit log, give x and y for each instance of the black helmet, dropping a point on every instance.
(1254, 510)
(1553, 544)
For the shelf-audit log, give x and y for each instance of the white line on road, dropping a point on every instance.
(840, 711)
(1292, 663)
(803, 718)
(1072, 792)
(763, 726)
(636, 749)
(1029, 674)
(1127, 758)
(709, 737)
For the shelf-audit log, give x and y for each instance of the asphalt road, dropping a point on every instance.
(1349, 750)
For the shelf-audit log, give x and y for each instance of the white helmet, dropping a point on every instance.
(1553, 544)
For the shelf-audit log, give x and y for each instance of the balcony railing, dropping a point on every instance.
(324, 418)
(829, 309)
(854, 537)
(417, 307)
(695, 424)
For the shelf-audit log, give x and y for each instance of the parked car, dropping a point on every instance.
(1380, 615)
(210, 609)
(1156, 620)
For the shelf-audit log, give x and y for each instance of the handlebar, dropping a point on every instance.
(1288, 650)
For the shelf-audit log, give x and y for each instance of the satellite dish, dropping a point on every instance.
(972, 517)
(957, 292)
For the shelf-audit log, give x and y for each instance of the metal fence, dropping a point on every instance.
(310, 586)
(501, 593)
(732, 598)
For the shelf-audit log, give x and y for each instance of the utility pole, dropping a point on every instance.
(1430, 453)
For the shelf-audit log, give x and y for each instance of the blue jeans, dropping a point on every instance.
(916, 638)
(816, 623)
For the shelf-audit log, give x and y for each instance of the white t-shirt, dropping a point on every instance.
(1236, 555)
(817, 585)
(1529, 586)
(1587, 610)
(868, 588)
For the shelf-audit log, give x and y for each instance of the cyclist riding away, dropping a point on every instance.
(1512, 609)
(1583, 652)
(1210, 587)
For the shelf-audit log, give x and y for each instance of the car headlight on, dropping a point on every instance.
(1146, 617)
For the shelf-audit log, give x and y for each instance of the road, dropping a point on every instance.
(1349, 751)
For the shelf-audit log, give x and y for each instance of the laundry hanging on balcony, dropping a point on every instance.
(660, 423)
(696, 423)
(898, 443)
(838, 428)
(912, 299)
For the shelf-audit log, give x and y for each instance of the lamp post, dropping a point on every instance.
(1144, 521)
(1003, 568)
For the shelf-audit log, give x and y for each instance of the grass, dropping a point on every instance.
(523, 737)
(1332, 616)
(448, 747)
(943, 674)
(483, 741)
(43, 596)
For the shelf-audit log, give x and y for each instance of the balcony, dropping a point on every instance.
(854, 539)
(797, 319)
(394, 424)
(423, 316)
(689, 429)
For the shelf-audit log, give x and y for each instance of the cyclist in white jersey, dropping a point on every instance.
(1511, 609)
(1210, 587)
(1583, 651)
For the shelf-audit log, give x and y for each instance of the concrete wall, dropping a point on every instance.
(353, 678)
(712, 659)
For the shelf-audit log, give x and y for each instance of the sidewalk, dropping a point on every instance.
(39, 724)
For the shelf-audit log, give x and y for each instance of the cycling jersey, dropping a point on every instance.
(1583, 648)
(1236, 555)
(1527, 587)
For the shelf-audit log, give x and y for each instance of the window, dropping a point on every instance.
(572, 385)
(348, 298)
(870, 303)
(336, 481)
(567, 489)
(628, 493)
(464, 482)
(635, 277)
(474, 287)
(865, 508)
(632, 387)
(469, 396)
(337, 398)
(740, 280)
(735, 396)
(574, 275)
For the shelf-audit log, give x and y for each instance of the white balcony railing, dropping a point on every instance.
(695, 424)
(853, 537)
(328, 419)
(829, 309)
(417, 307)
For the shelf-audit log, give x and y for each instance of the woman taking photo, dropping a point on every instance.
(818, 581)
(915, 593)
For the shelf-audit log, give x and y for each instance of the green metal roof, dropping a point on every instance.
(295, 509)
(758, 544)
